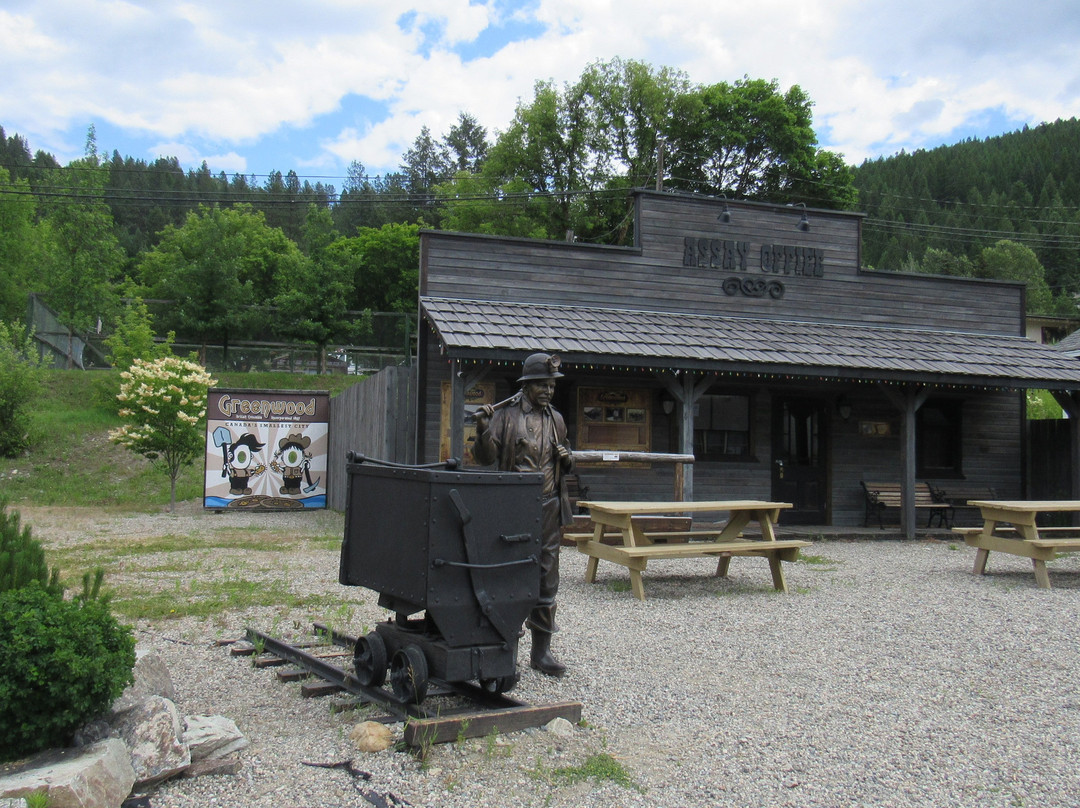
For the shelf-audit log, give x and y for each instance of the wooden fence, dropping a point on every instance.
(376, 417)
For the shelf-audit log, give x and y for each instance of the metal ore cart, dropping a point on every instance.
(462, 547)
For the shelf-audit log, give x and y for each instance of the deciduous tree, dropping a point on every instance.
(163, 403)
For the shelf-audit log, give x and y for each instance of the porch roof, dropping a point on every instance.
(485, 330)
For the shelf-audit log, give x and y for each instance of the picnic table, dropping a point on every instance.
(723, 542)
(1021, 536)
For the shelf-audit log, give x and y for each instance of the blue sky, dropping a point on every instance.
(278, 85)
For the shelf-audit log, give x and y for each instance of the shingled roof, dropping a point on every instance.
(471, 329)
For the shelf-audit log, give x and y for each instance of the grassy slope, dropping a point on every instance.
(72, 462)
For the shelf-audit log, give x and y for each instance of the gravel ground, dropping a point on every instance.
(889, 675)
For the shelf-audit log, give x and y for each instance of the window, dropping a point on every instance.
(938, 433)
(722, 427)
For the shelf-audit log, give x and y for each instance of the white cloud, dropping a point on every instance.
(227, 77)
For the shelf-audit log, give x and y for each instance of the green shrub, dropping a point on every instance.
(22, 558)
(64, 662)
(133, 336)
(20, 383)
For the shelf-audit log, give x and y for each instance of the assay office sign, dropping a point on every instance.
(760, 266)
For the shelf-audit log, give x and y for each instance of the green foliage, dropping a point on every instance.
(221, 269)
(88, 258)
(384, 264)
(570, 155)
(749, 140)
(64, 663)
(37, 799)
(599, 766)
(22, 558)
(164, 404)
(964, 198)
(1042, 406)
(1007, 260)
(20, 382)
(132, 337)
(25, 245)
(313, 303)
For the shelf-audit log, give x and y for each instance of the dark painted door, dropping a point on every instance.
(799, 462)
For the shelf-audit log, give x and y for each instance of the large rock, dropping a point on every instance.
(153, 733)
(95, 776)
(371, 736)
(209, 737)
(152, 678)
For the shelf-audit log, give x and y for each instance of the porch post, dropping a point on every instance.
(686, 390)
(457, 411)
(908, 401)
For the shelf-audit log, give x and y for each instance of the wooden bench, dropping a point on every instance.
(636, 558)
(575, 491)
(883, 497)
(957, 493)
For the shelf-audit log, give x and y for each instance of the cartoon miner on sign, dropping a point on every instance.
(293, 461)
(238, 457)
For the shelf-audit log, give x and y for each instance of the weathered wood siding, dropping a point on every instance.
(375, 417)
(683, 255)
(654, 276)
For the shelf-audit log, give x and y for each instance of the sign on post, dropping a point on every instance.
(266, 449)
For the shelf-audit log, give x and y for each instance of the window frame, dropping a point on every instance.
(747, 453)
(949, 436)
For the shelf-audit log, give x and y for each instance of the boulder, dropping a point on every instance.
(152, 678)
(560, 727)
(96, 776)
(371, 736)
(209, 737)
(153, 733)
(222, 765)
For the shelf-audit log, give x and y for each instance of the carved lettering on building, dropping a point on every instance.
(776, 259)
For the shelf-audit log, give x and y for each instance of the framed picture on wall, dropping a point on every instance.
(614, 419)
(483, 393)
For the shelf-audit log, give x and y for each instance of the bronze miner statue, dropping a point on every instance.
(528, 434)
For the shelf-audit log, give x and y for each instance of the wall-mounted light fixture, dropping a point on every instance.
(667, 403)
(804, 222)
(725, 214)
(843, 408)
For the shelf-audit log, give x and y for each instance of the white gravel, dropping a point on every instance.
(889, 675)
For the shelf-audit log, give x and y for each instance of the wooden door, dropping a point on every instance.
(799, 459)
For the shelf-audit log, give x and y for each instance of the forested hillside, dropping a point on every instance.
(947, 210)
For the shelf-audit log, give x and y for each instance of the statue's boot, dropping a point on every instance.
(541, 658)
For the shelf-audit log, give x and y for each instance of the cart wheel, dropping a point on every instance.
(369, 659)
(409, 674)
(501, 684)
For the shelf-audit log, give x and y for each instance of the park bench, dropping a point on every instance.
(958, 493)
(882, 498)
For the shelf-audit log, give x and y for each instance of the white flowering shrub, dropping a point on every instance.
(163, 402)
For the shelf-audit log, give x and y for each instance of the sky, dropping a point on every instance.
(312, 85)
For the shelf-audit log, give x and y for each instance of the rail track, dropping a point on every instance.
(451, 710)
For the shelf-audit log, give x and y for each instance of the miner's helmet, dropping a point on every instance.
(541, 366)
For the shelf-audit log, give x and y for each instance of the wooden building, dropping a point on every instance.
(748, 335)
